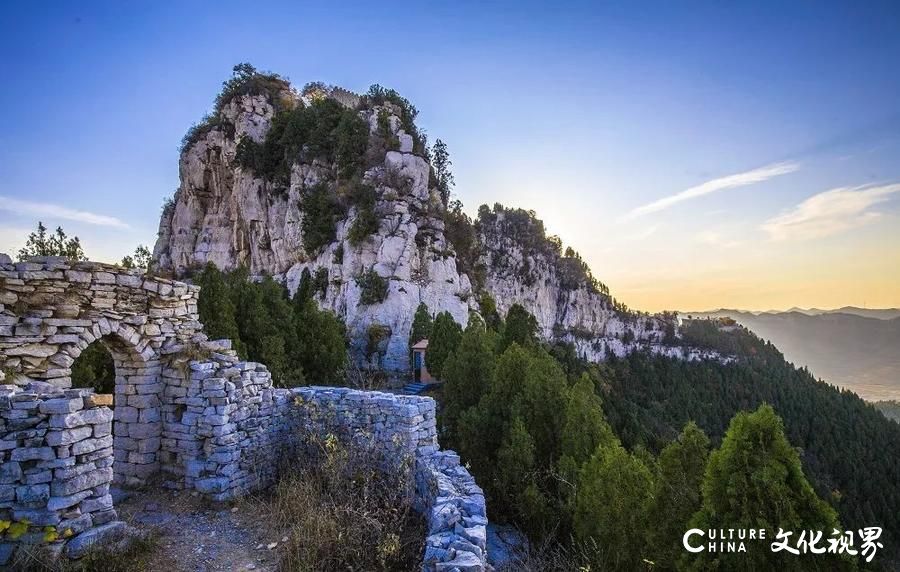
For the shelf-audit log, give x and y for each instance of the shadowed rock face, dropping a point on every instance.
(226, 214)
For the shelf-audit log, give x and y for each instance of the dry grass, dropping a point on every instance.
(129, 554)
(551, 556)
(341, 514)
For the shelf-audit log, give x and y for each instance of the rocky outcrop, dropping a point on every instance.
(226, 214)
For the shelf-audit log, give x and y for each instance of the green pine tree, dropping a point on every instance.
(755, 480)
(216, 308)
(468, 374)
(421, 325)
(445, 336)
(682, 464)
(321, 343)
(520, 328)
(615, 492)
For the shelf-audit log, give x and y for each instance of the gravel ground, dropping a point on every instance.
(198, 536)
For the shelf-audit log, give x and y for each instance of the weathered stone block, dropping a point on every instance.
(68, 436)
(81, 482)
(60, 503)
(33, 453)
(98, 399)
(90, 445)
(97, 504)
(105, 532)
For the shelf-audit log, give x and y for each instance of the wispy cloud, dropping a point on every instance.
(717, 239)
(731, 181)
(830, 212)
(56, 211)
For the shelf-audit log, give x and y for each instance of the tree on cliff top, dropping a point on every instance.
(440, 160)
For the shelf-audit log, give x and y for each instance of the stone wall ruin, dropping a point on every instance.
(188, 413)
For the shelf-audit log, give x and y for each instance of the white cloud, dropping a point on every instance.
(732, 181)
(830, 212)
(56, 211)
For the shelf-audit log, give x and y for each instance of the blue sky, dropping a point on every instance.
(593, 114)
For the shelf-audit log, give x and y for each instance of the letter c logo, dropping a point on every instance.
(689, 534)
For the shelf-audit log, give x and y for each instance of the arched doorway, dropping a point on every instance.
(95, 369)
(110, 364)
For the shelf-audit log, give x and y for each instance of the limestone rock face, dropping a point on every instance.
(224, 214)
(227, 215)
(523, 267)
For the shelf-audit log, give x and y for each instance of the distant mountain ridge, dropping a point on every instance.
(877, 313)
(855, 348)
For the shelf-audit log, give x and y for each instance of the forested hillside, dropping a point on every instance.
(856, 352)
(615, 461)
(848, 449)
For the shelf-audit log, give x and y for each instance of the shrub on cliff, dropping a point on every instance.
(322, 210)
(373, 288)
(324, 130)
(378, 95)
(245, 80)
(460, 232)
(362, 196)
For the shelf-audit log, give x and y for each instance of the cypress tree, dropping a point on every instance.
(682, 464)
(755, 481)
(445, 336)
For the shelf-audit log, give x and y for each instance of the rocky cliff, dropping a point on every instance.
(256, 174)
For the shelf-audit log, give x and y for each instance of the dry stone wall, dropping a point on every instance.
(186, 411)
(245, 428)
(52, 309)
(56, 467)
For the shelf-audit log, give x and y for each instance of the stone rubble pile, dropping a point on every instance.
(457, 516)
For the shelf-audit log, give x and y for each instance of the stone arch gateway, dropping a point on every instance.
(51, 310)
(188, 413)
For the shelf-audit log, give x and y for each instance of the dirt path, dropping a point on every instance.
(197, 536)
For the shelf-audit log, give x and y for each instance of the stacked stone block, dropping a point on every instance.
(245, 428)
(51, 309)
(457, 516)
(56, 459)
